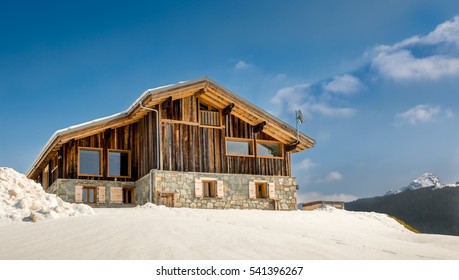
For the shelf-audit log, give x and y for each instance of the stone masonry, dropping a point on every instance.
(181, 188)
(236, 190)
(65, 189)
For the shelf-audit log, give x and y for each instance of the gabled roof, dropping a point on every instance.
(208, 90)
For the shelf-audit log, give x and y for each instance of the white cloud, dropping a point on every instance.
(345, 84)
(333, 176)
(329, 111)
(444, 33)
(430, 57)
(301, 96)
(439, 55)
(316, 196)
(402, 65)
(304, 165)
(241, 65)
(290, 97)
(422, 113)
(302, 170)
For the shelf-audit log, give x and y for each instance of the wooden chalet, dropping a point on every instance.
(192, 144)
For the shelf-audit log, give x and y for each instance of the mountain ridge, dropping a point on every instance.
(426, 180)
(424, 204)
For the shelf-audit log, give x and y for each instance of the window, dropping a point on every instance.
(128, 195)
(89, 194)
(261, 189)
(89, 162)
(119, 163)
(208, 188)
(239, 147)
(269, 149)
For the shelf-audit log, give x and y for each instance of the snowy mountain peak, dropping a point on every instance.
(426, 180)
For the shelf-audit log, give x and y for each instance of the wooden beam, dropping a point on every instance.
(259, 127)
(167, 104)
(199, 92)
(227, 110)
(291, 147)
(216, 102)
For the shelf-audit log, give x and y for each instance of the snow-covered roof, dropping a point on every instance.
(157, 92)
(99, 121)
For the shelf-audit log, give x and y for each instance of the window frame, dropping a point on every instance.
(209, 186)
(131, 191)
(95, 196)
(246, 140)
(264, 193)
(100, 150)
(281, 145)
(129, 162)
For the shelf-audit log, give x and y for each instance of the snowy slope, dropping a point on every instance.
(21, 199)
(157, 232)
(153, 232)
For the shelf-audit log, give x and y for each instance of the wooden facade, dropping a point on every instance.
(195, 128)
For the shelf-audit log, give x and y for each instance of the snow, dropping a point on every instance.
(157, 232)
(426, 180)
(21, 199)
(100, 120)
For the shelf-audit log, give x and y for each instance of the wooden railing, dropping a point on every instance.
(210, 118)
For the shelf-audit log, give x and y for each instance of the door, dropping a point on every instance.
(166, 199)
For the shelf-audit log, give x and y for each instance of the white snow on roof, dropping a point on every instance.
(104, 119)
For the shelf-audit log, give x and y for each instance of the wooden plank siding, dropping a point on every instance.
(139, 138)
(186, 146)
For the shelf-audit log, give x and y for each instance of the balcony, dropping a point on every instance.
(209, 118)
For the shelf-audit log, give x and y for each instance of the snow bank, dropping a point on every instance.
(150, 205)
(21, 199)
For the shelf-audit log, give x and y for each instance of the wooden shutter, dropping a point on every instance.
(220, 189)
(101, 194)
(272, 190)
(252, 190)
(112, 195)
(198, 187)
(78, 194)
(119, 195)
(116, 195)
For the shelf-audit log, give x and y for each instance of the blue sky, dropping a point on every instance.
(378, 78)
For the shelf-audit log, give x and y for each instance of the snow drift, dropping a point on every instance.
(159, 233)
(21, 199)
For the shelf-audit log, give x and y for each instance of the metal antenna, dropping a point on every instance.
(299, 119)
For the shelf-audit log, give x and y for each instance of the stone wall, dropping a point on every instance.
(236, 191)
(65, 189)
(180, 186)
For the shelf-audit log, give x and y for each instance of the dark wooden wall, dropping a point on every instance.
(186, 146)
(139, 138)
(202, 149)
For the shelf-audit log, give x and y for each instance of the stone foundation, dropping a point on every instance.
(236, 191)
(65, 189)
(178, 188)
